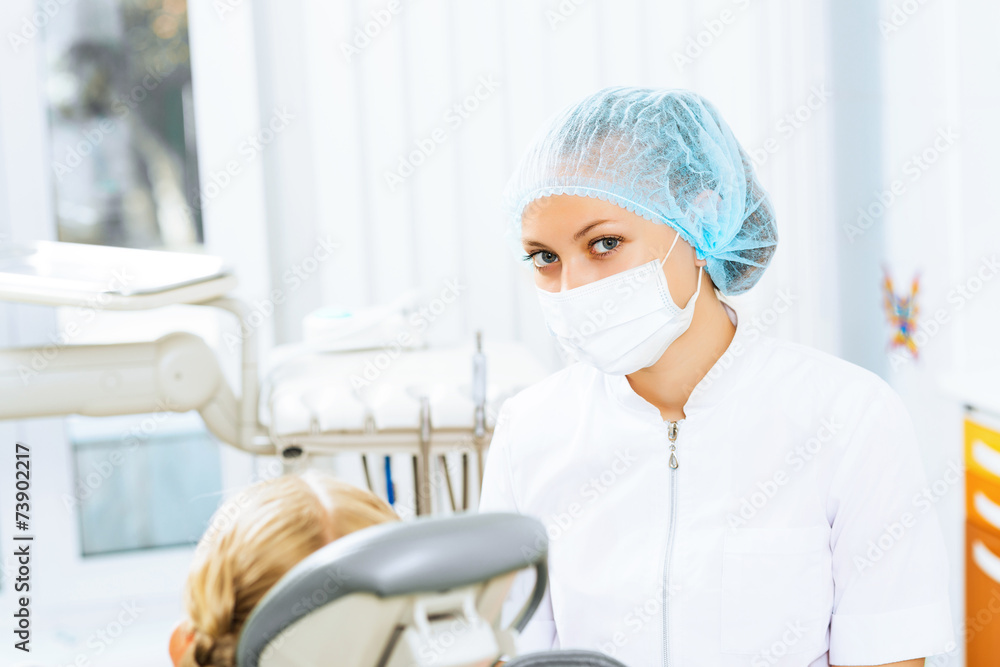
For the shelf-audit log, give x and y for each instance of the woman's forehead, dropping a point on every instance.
(566, 213)
(572, 207)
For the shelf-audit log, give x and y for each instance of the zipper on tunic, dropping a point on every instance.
(672, 435)
(672, 429)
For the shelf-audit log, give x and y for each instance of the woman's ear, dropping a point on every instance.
(180, 639)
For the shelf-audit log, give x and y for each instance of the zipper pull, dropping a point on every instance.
(672, 436)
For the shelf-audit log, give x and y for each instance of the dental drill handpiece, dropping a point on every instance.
(479, 400)
(479, 385)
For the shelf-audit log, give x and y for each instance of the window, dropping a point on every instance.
(142, 481)
(121, 127)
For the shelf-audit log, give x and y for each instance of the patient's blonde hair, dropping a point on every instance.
(253, 539)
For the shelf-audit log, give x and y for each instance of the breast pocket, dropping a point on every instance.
(777, 590)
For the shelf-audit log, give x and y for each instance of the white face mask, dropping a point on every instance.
(620, 323)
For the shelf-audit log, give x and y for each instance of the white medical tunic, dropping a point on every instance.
(796, 530)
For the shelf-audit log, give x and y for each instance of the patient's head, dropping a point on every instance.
(253, 539)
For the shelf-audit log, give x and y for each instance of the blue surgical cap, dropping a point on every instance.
(665, 155)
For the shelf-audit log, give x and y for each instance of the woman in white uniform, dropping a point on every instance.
(712, 496)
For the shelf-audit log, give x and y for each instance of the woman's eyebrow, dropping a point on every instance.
(576, 237)
(579, 234)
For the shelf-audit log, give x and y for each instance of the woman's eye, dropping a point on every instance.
(546, 257)
(605, 244)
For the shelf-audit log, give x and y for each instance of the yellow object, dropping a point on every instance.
(982, 450)
(982, 541)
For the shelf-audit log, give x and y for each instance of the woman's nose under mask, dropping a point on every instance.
(620, 323)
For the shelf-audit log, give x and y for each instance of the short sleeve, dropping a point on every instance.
(890, 565)
(497, 495)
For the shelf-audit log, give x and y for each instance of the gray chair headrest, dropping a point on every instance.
(567, 658)
(426, 554)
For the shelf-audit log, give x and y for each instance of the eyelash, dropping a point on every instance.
(602, 255)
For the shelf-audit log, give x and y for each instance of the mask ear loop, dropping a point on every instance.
(694, 297)
(677, 235)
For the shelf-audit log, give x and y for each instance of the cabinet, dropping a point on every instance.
(982, 539)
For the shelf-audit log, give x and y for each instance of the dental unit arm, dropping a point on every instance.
(176, 373)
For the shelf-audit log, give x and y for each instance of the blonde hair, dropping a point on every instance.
(253, 539)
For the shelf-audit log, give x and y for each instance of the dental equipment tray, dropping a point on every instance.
(369, 399)
(78, 274)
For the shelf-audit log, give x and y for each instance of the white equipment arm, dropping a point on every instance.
(176, 373)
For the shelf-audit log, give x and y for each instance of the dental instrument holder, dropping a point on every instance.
(424, 460)
(309, 439)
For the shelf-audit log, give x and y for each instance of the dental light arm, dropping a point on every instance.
(176, 373)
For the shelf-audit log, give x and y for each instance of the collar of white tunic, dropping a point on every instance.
(726, 373)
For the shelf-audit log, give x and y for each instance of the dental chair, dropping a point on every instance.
(417, 593)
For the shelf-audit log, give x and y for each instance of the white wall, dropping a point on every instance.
(364, 112)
